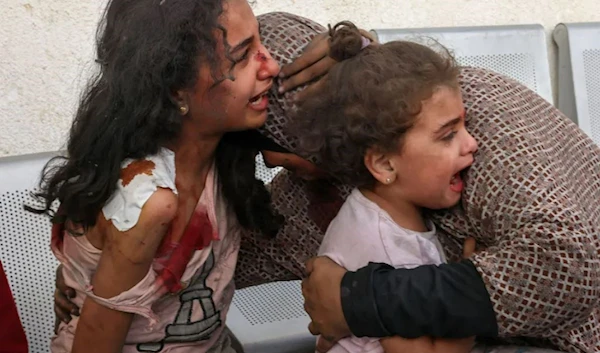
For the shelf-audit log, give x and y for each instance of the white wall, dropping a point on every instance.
(46, 47)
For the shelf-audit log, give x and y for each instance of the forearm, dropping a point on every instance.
(101, 329)
(440, 301)
(522, 287)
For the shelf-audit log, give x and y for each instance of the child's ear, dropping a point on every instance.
(380, 165)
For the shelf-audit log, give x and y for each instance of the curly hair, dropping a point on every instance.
(370, 99)
(146, 50)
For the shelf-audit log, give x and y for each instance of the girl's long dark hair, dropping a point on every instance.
(146, 50)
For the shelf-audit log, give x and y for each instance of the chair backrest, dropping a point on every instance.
(263, 172)
(25, 248)
(579, 74)
(270, 318)
(517, 51)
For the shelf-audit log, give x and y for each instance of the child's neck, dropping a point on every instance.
(405, 214)
(194, 155)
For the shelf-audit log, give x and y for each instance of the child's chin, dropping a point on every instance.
(453, 202)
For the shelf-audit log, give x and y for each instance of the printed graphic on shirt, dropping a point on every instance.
(183, 329)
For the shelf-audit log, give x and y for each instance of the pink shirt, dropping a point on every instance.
(182, 303)
(361, 233)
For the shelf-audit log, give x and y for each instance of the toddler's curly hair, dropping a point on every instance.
(370, 99)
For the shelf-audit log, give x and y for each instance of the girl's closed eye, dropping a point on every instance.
(243, 57)
(450, 136)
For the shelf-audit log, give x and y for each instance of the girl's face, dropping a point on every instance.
(293, 163)
(240, 101)
(427, 169)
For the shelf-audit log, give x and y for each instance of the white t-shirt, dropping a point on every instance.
(362, 232)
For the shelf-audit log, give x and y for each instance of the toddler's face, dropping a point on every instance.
(435, 152)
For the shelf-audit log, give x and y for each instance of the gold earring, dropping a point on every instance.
(183, 110)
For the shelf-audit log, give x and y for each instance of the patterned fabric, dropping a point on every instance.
(286, 36)
(531, 198)
(282, 258)
(509, 349)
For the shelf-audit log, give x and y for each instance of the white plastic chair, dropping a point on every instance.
(270, 318)
(263, 172)
(25, 248)
(579, 74)
(517, 51)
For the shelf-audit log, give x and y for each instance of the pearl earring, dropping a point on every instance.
(183, 110)
(388, 180)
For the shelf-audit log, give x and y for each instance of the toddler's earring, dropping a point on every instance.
(183, 110)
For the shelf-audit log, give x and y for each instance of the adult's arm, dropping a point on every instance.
(449, 300)
(453, 300)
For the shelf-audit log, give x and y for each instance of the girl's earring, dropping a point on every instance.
(388, 180)
(183, 110)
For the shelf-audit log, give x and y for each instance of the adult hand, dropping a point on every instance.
(312, 64)
(63, 306)
(322, 300)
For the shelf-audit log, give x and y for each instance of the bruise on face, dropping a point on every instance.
(260, 56)
(136, 168)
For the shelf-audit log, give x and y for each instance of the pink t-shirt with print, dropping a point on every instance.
(181, 304)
